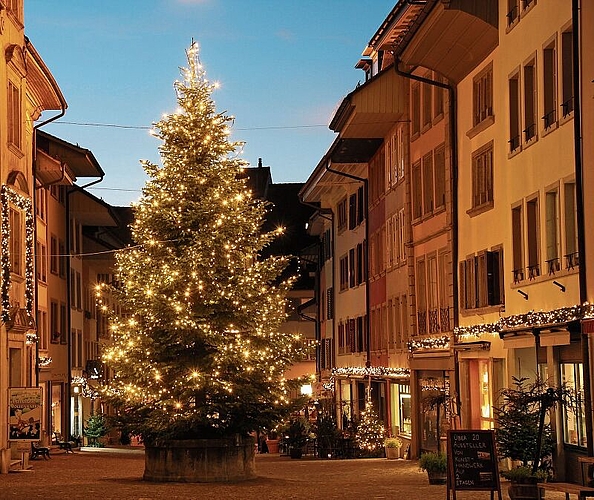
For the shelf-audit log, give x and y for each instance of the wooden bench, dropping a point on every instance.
(567, 488)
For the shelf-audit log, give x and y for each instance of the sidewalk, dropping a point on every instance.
(106, 475)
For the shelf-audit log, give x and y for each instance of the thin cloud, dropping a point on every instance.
(285, 34)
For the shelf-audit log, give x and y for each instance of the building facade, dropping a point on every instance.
(476, 220)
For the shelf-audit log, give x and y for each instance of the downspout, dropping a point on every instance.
(62, 112)
(318, 291)
(453, 122)
(365, 258)
(581, 226)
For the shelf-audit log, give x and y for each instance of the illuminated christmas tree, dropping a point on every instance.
(197, 351)
(371, 432)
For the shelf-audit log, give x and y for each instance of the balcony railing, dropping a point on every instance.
(444, 316)
(533, 271)
(567, 106)
(434, 321)
(422, 322)
(512, 15)
(529, 132)
(514, 143)
(553, 265)
(572, 260)
(518, 274)
(549, 118)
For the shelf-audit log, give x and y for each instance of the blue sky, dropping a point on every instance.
(284, 66)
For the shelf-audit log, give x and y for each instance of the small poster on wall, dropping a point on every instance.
(24, 405)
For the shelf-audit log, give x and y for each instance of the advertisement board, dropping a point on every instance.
(25, 407)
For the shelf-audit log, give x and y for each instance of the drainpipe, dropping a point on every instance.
(318, 290)
(365, 259)
(579, 193)
(454, 166)
(61, 113)
(453, 122)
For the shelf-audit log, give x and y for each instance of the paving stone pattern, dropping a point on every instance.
(91, 475)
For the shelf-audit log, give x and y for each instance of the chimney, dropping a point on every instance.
(259, 162)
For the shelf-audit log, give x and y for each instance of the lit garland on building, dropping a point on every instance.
(9, 196)
(44, 361)
(86, 389)
(31, 339)
(529, 319)
(429, 343)
(371, 371)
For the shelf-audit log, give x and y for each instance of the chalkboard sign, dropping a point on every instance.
(472, 461)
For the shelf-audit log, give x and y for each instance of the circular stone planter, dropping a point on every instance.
(201, 460)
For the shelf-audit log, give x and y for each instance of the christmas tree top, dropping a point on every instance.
(197, 350)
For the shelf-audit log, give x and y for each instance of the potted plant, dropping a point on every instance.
(523, 435)
(95, 429)
(436, 465)
(392, 445)
(296, 437)
(272, 441)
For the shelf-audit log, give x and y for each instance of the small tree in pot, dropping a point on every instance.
(522, 433)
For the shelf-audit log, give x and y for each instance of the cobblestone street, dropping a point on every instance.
(104, 475)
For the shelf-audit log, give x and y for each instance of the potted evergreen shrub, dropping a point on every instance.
(393, 445)
(436, 465)
(296, 436)
(523, 435)
(95, 429)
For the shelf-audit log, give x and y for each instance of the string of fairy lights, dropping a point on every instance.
(9, 196)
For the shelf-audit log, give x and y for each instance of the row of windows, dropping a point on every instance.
(481, 280)
(391, 317)
(433, 280)
(354, 214)
(558, 241)
(352, 267)
(427, 105)
(517, 8)
(557, 98)
(351, 336)
(429, 183)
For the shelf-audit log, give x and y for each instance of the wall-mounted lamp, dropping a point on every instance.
(523, 294)
(561, 287)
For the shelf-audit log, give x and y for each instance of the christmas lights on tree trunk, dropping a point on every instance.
(196, 349)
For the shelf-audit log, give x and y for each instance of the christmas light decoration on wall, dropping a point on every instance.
(429, 343)
(530, 319)
(86, 390)
(373, 371)
(31, 338)
(9, 196)
(44, 361)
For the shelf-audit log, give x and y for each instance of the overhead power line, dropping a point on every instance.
(144, 127)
